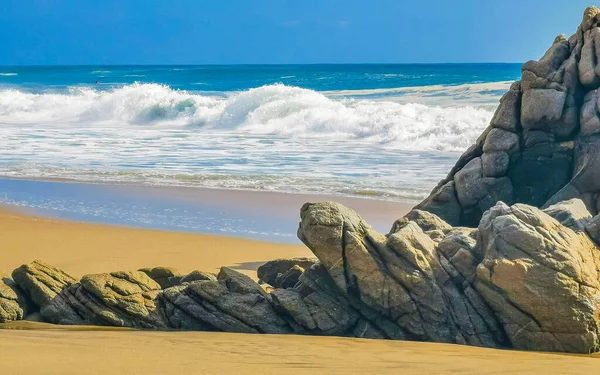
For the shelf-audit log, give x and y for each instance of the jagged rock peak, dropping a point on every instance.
(543, 143)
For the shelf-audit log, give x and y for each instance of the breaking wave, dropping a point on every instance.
(268, 110)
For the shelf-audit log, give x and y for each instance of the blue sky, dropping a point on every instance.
(49, 32)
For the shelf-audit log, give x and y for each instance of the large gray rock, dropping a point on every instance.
(41, 282)
(316, 306)
(521, 280)
(400, 278)
(14, 304)
(542, 280)
(121, 299)
(543, 143)
(232, 303)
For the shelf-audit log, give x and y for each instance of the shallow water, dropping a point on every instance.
(262, 216)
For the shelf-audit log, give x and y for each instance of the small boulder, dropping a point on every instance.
(270, 272)
(290, 278)
(592, 228)
(41, 282)
(166, 277)
(425, 220)
(572, 214)
(198, 276)
(169, 277)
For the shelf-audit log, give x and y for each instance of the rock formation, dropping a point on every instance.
(122, 299)
(503, 253)
(232, 303)
(541, 279)
(543, 143)
(401, 278)
(41, 281)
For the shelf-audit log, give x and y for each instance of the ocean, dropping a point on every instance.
(386, 132)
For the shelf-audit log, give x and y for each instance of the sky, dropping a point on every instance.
(107, 32)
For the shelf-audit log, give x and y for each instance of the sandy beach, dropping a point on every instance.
(82, 351)
(80, 248)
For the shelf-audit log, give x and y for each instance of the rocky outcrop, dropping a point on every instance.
(14, 303)
(41, 281)
(402, 278)
(522, 279)
(121, 299)
(232, 303)
(542, 280)
(543, 143)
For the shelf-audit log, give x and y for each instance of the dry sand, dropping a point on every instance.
(76, 351)
(79, 248)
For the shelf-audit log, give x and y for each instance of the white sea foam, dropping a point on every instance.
(483, 95)
(269, 110)
(8, 74)
(273, 137)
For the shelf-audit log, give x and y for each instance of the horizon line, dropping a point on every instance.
(265, 64)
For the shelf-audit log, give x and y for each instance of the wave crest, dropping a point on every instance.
(274, 109)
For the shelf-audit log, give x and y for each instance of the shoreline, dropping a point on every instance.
(260, 215)
(132, 184)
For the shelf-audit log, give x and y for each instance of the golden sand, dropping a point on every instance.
(78, 351)
(81, 248)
